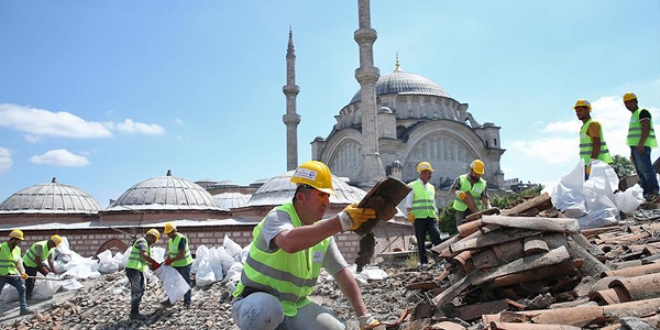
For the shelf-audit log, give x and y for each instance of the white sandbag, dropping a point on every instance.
(9, 294)
(150, 276)
(108, 268)
(216, 263)
(226, 259)
(105, 257)
(44, 289)
(245, 252)
(629, 200)
(568, 195)
(205, 275)
(84, 271)
(175, 286)
(232, 248)
(233, 276)
(71, 284)
(158, 254)
(127, 254)
(373, 273)
(201, 254)
(599, 197)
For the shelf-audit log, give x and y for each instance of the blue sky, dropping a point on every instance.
(106, 94)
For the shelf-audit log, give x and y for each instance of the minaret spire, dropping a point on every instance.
(291, 119)
(397, 67)
(367, 75)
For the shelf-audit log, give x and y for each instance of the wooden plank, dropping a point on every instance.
(553, 257)
(541, 224)
(542, 202)
(493, 238)
(553, 271)
(478, 215)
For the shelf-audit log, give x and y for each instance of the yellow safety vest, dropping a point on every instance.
(423, 205)
(9, 259)
(135, 260)
(474, 190)
(30, 257)
(173, 248)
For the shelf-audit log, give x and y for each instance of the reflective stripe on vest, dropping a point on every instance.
(173, 248)
(135, 260)
(423, 205)
(475, 190)
(635, 131)
(587, 145)
(9, 259)
(291, 277)
(30, 260)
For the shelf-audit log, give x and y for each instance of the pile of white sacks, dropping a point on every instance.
(216, 264)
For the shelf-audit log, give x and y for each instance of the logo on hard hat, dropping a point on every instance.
(305, 173)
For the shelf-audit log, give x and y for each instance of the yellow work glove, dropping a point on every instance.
(460, 194)
(352, 217)
(411, 217)
(368, 322)
(24, 276)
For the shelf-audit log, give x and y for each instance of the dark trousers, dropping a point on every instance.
(136, 278)
(29, 283)
(185, 273)
(422, 226)
(645, 171)
(16, 282)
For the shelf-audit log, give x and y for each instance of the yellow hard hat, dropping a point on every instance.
(629, 96)
(153, 232)
(17, 234)
(169, 227)
(582, 103)
(56, 239)
(478, 167)
(424, 166)
(314, 174)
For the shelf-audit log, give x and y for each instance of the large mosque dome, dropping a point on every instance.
(165, 193)
(404, 83)
(50, 198)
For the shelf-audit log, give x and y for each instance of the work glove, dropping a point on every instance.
(155, 266)
(352, 217)
(168, 261)
(411, 217)
(460, 194)
(24, 276)
(367, 321)
(45, 272)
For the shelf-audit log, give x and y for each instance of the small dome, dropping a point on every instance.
(403, 83)
(279, 190)
(231, 200)
(225, 183)
(50, 198)
(397, 164)
(385, 110)
(259, 182)
(166, 192)
(319, 139)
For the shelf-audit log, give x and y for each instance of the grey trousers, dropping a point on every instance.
(262, 311)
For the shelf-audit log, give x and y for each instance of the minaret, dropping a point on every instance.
(367, 74)
(291, 119)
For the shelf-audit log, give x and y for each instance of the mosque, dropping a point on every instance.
(392, 123)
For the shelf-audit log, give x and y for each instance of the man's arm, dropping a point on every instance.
(302, 238)
(51, 263)
(147, 257)
(646, 130)
(351, 290)
(594, 133)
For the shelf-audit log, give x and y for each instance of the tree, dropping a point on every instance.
(622, 166)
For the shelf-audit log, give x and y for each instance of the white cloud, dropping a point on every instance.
(563, 126)
(129, 126)
(38, 123)
(60, 157)
(5, 160)
(178, 121)
(550, 150)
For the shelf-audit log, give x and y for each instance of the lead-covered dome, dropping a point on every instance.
(50, 198)
(165, 193)
(279, 190)
(404, 83)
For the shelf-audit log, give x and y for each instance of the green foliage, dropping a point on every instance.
(622, 166)
(446, 221)
(513, 199)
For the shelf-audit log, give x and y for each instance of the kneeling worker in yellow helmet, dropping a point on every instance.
(178, 256)
(422, 210)
(138, 261)
(467, 188)
(289, 248)
(10, 268)
(34, 258)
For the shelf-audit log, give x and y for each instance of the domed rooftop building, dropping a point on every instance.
(163, 198)
(49, 202)
(417, 120)
(231, 200)
(279, 190)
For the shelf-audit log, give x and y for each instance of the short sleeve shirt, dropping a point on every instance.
(594, 130)
(457, 185)
(278, 221)
(141, 245)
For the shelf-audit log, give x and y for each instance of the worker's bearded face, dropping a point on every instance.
(582, 113)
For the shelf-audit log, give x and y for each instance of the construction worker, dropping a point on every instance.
(592, 143)
(10, 268)
(289, 247)
(34, 258)
(467, 188)
(641, 138)
(179, 256)
(422, 210)
(137, 262)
